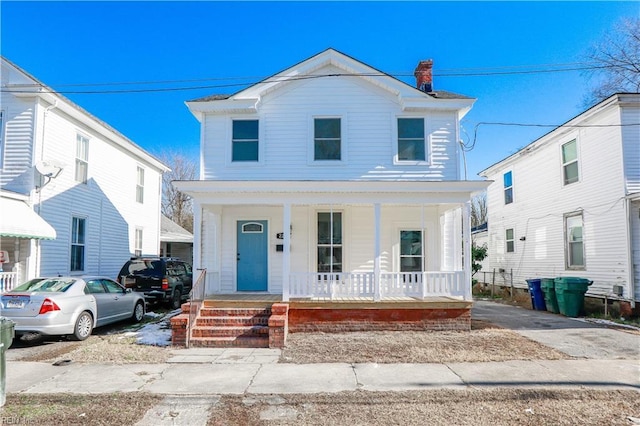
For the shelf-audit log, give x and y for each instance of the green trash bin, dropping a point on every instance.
(7, 330)
(570, 294)
(549, 289)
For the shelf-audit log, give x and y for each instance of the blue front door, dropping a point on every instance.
(252, 270)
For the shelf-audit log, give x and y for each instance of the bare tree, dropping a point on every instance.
(617, 61)
(177, 205)
(479, 210)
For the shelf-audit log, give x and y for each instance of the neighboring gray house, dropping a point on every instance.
(175, 241)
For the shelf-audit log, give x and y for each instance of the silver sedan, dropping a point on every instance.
(70, 305)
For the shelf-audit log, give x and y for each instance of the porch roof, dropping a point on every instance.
(19, 220)
(327, 191)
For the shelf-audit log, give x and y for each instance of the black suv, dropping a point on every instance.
(161, 279)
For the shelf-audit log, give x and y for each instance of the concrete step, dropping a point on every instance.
(229, 342)
(232, 321)
(245, 331)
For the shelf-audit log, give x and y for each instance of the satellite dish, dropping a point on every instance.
(47, 169)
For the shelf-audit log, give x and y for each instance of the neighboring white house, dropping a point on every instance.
(568, 204)
(332, 179)
(78, 197)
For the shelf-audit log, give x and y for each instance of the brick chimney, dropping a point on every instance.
(424, 75)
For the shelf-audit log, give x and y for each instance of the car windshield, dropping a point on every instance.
(145, 267)
(47, 285)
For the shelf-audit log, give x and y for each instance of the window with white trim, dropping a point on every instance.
(329, 242)
(82, 158)
(570, 162)
(508, 187)
(573, 230)
(411, 140)
(140, 185)
(1, 139)
(327, 139)
(510, 240)
(245, 140)
(138, 242)
(411, 251)
(78, 236)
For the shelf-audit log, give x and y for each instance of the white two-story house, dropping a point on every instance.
(77, 196)
(330, 181)
(568, 204)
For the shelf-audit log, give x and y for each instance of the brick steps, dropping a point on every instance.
(221, 327)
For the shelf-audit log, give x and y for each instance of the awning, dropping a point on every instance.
(18, 220)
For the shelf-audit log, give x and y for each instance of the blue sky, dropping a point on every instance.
(64, 43)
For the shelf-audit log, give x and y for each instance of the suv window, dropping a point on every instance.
(175, 269)
(143, 267)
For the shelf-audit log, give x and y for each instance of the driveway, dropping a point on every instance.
(571, 336)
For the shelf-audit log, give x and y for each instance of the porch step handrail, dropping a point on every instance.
(196, 298)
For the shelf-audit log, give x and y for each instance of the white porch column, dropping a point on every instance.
(466, 242)
(286, 251)
(377, 295)
(197, 235)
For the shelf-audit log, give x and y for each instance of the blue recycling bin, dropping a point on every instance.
(537, 296)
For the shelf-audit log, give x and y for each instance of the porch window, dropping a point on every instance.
(330, 242)
(327, 139)
(245, 140)
(508, 188)
(574, 242)
(140, 185)
(411, 257)
(411, 140)
(138, 242)
(82, 158)
(570, 162)
(78, 231)
(510, 242)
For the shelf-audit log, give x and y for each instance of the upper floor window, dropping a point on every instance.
(570, 162)
(327, 139)
(508, 188)
(411, 257)
(244, 140)
(411, 139)
(510, 240)
(82, 158)
(140, 185)
(78, 231)
(574, 255)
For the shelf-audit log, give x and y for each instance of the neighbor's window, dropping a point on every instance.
(138, 242)
(330, 242)
(140, 185)
(573, 230)
(411, 139)
(1, 139)
(82, 158)
(327, 139)
(411, 257)
(510, 243)
(244, 140)
(508, 188)
(78, 232)
(570, 162)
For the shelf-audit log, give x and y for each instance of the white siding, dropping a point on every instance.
(368, 118)
(631, 147)
(19, 121)
(635, 245)
(541, 201)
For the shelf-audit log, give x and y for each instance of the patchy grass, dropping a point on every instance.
(464, 407)
(482, 344)
(74, 409)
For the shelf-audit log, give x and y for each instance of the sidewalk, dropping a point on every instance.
(257, 371)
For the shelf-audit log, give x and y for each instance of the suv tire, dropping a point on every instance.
(176, 298)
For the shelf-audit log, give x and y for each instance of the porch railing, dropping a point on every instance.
(8, 281)
(392, 284)
(196, 297)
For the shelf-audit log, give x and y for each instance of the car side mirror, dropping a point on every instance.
(127, 290)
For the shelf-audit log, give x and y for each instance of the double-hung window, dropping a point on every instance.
(570, 162)
(78, 232)
(510, 240)
(411, 140)
(82, 158)
(138, 242)
(327, 139)
(245, 140)
(140, 185)
(411, 257)
(329, 242)
(1, 139)
(573, 230)
(508, 187)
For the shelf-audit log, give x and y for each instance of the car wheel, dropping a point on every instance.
(176, 299)
(83, 327)
(138, 312)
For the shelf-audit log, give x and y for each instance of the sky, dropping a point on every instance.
(222, 47)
